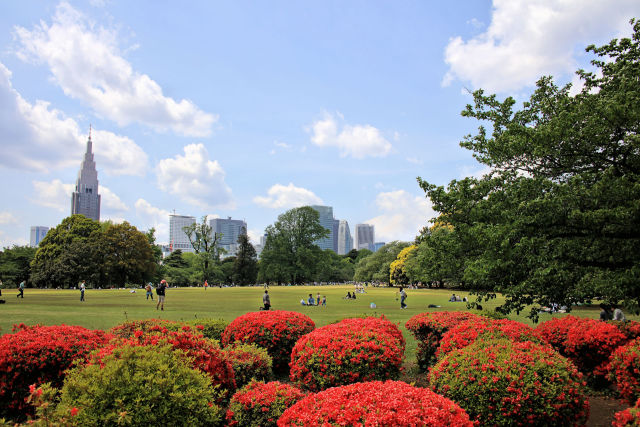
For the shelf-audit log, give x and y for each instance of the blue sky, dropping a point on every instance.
(247, 109)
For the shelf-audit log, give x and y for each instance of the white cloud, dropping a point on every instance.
(285, 197)
(195, 179)
(54, 194)
(527, 39)
(414, 160)
(36, 137)
(152, 216)
(357, 141)
(110, 201)
(87, 64)
(403, 215)
(254, 236)
(7, 218)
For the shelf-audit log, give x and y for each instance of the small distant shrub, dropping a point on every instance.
(624, 370)
(249, 362)
(504, 383)
(139, 385)
(210, 328)
(630, 417)
(428, 329)
(260, 404)
(492, 314)
(469, 331)
(129, 328)
(376, 403)
(276, 331)
(344, 353)
(36, 355)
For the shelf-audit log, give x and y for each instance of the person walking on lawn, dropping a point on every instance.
(160, 290)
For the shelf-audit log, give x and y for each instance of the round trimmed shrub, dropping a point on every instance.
(504, 383)
(428, 328)
(376, 403)
(630, 417)
(344, 353)
(276, 331)
(260, 404)
(555, 331)
(471, 330)
(624, 370)
(36, 355)
(381, 324)
(210, 328)
(248, 362)
(139, 385)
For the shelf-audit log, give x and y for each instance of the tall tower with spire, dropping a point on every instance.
(85, 199)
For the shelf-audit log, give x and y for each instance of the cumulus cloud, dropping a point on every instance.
(357, 141)
(403, 215)
(195, 179)
(285, 197)
(110, 202)
(7, 218)
(87, 64)
(527, 39)
(36, 137)
(155, 217)
(53, 194)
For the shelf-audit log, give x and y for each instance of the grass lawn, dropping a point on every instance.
(106, 308)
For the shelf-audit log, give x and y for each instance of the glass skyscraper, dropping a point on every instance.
(327, 221)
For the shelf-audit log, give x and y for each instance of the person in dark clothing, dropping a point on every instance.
(160, 291)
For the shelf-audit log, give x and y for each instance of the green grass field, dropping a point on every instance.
(106, 308)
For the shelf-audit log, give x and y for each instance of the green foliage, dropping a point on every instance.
(128, 256)
(557, 219)
(375, 267)
(140, 386)
(249, 362)
(332, 267)
(245, 266)
(205, 244)
(290, 253)
(14, 264)
(210, 328)
(182, 269)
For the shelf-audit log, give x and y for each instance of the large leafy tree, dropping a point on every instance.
(557, 219)
(245, 266)
(128, 256)
(290, 253)
(204, 242)
(376, 267)
(15, 264)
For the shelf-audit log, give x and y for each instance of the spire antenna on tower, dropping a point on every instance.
(89, 130)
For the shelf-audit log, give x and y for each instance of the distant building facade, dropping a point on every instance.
(365, 236)
(327, 221)
(345, 241)
(177, 237)
(85, 200)
(377, 245)
(229, 231)
(37, 234)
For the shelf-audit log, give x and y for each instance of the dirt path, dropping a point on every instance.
(602, 410)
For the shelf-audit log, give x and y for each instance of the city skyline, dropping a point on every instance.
(248, 110)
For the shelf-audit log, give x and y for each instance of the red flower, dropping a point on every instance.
(74, 411)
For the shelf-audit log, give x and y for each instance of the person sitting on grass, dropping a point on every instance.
(303, 302)
(348, 296)
(311, 301)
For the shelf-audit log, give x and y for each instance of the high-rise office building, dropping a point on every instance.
(85, 199)
(365, 236)
(336, 229)
(229, 230)
(177, 237)
(345, 241)
(377, 246)
(37, 234)
(326, 220)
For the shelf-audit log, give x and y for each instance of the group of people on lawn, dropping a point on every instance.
(316, 301)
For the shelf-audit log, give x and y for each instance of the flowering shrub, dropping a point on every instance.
(630, 328)
(381, 324)
(36, 355)
(204, 354)
(344, 353)
(139, 385)
(468, 332)
(624, 370)
(260, 404)
(555, 331)
(276, 331)
(390, 403)
(249, 362)
(128, 329)
(428, 329)
(210, 328)
(501, 382)
(630, 417)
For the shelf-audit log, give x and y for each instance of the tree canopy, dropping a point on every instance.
(557, 218)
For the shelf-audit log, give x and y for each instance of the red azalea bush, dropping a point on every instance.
(129, 328)
(381, 324)
(504, 383)
(630, 328)
(260, 404)
(249, 362)
(624, 370)
(390, 403)
(205, 354)
(344, 353)
(276, 331)
(630, 417)
(555, 331)
(468, 332)
(428, 329)
(36, 355)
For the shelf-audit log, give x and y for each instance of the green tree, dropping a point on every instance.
(375, 267)
(204, 242)
(557, 219)
(332, 267)
(156, 250)
(128, 256)
(290, 253)
(15, 264)
(66, 254)
(245, 267)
